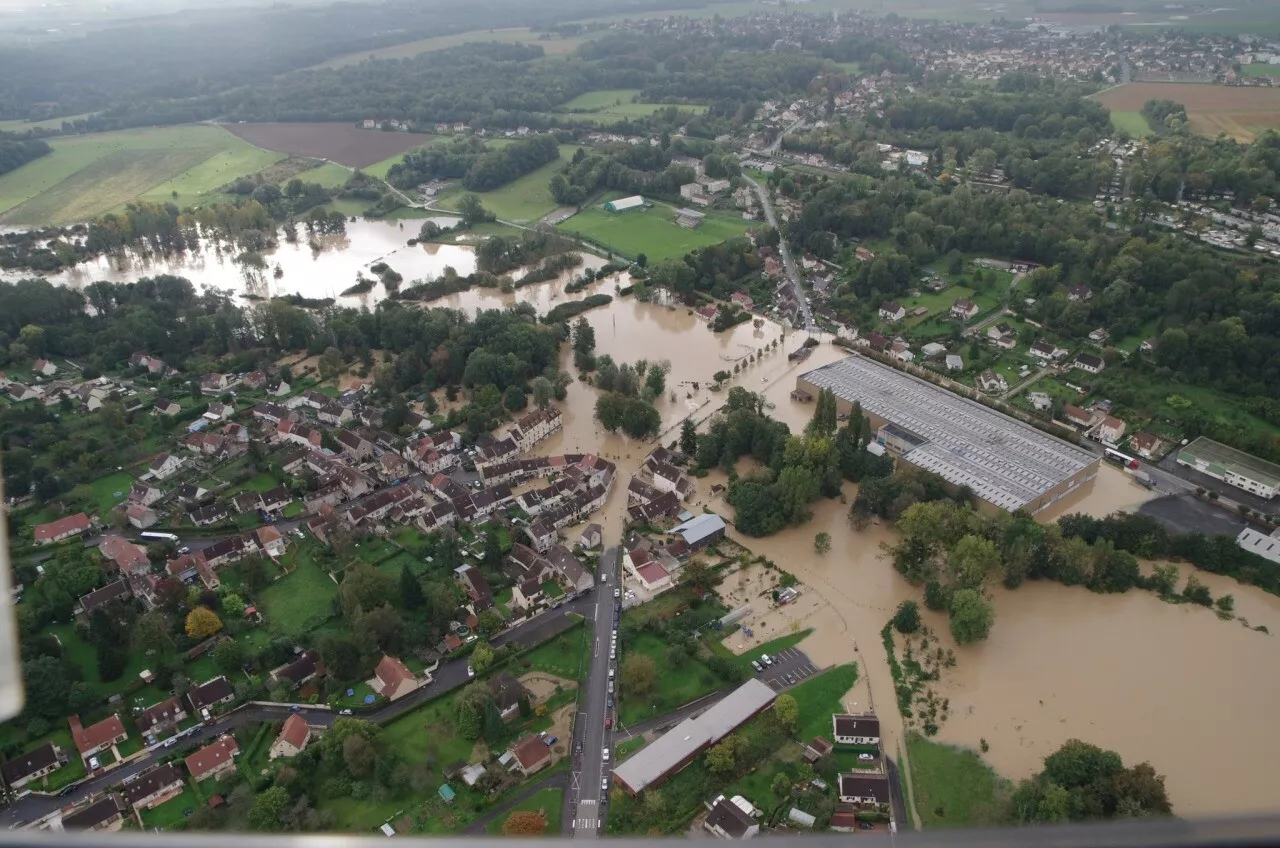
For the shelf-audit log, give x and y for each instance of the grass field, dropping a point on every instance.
(562, 656)
(1260, 70)
(1131, 122)
(652, 231)
(88, 175)
(329, 175)
(953, 787)
(676, 685)
(552, 46)
(611, 105)
(300, 601)
(51, 124)
(524, 200)
(549, 801)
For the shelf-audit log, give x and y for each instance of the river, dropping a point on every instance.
(1170, 684)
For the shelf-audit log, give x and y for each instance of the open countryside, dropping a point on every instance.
(651, 231)
(346, 144)
(88, 175)
(553, 45)
(616, 105)
(1242, 113)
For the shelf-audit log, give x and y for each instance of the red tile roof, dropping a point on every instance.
(95, 735)
(295, 732)
(531, 751)
(77, 523)
(212, 756)
(392, 673)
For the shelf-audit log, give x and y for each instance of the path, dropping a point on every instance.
(1025, 383)
(559, 780)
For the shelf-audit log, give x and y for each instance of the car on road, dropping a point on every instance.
(604, 755)
(171, 741)
(344, 712)
(471, 672)
(67, 790)
(617, 593)
(295, 708)
(185, 549)
(608, 723)
(608, 702)
(577, 748)
(866, 758)
(604, 785)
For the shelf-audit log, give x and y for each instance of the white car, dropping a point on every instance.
(617, 593)
(866, 758)
(604, 756)
(471, 672)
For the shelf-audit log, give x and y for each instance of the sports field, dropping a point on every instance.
(651, 231)
(515, 35)
(1240, 112)
(524, 200)
(88, 175)
(612, 105)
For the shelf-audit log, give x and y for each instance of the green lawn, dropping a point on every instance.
(300, 601)
(1256, 69)
(612, 105)
(50, 124)
(652, 231)
(261, 483)
(1131, 122)
(677, 685)
(88, 175)
(428, 735)
(953, 787)
(169, 815)
(819, 697)
(562, 656)
(104, 491)
(379, 169)
(549, 801)
(82, 655)
(524, 200)
(329, 174)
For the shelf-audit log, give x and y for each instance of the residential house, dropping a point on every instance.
(507, 692)
(1147, 345)
(990, 381)
(870, 789)
(392, 679)
(1077, 416)
(164, 466)
(154, 786)
(729, 820)
(1040, 401)
(1145, 445)
(392, 466)
(861, 729)
(536, 426)
(1048, 351)
(145, 494)
(477, 588)
(255, 379)
(271, 540)
(293, 738)
(160, 717)
(44, 368)
(1088, 362)
(32, 766)
(304, 668)
(892, 312)
(218, 411)
(742, 299)
(901, 351)
(1111, 429)
(63, 528)
(576, 578)
(964, 309)
(531, 755)
(542, 534)
(270, 413)
(216, 383)
(274, 500)
(877, 342)
(335, 414)
(1002, 335)
(210, 694)
(122, 555)
(113, 591)
(291, 431)
(653, 576)
(357, 448)
(164, 406)
(141, 516)
(97, 737)
(206, 515)
(212, 761)
(104, 814)
(592, 537)
(954, 363)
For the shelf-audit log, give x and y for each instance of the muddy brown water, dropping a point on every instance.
(1174, 685)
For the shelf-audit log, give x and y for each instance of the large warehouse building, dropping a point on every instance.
(677, 748)
(1008, 464)
(1235, 467)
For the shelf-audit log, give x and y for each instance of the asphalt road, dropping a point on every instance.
(793, 276)
(448, 676)
(589, 784)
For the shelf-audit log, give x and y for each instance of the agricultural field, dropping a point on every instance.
(651, 231)
(50, 124)
(88, 175)
(327, 174)
(612, 105)
(523, 200)
(553, 46)
(345, 144)
(1241, 113)
(1131, 122)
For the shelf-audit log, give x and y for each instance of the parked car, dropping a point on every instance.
(608, 723)
(604, 755)
(551, 740)
(471, 672)
(756, 665)
(295, 708)
(866, 758)
(764, 660)
(866, 825)
(617, 593)
(94, 764)
(344, 712)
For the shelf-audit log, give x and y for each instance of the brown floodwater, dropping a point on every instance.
(1170, 684)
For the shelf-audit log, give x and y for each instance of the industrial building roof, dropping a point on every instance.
(1237, 461)
(653, 762)
(1004, 461)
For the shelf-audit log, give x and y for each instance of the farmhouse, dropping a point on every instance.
(953, 436)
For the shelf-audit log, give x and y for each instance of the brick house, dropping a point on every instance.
(293, 738)
(213, 760)
(97, 737)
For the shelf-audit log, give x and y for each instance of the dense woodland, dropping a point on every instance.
(15, 152)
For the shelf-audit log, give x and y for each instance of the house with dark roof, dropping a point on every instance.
(160, 717)
(728, 820)
(114, 591)
(507, 692)
(276, 499)
(304, 668)
(106, 813)
(154, 786)
(210, 694)
(861, 729)
(891, 311)
(1089, 363)
(867, 790)
(477, 588)
(33, 765)
(213, 760)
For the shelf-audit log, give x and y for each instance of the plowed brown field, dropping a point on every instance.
(1240, 112)
(345, 144)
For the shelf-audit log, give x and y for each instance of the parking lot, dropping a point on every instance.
(791, 662)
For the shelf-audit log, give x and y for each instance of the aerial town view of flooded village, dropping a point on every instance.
(730, 419)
